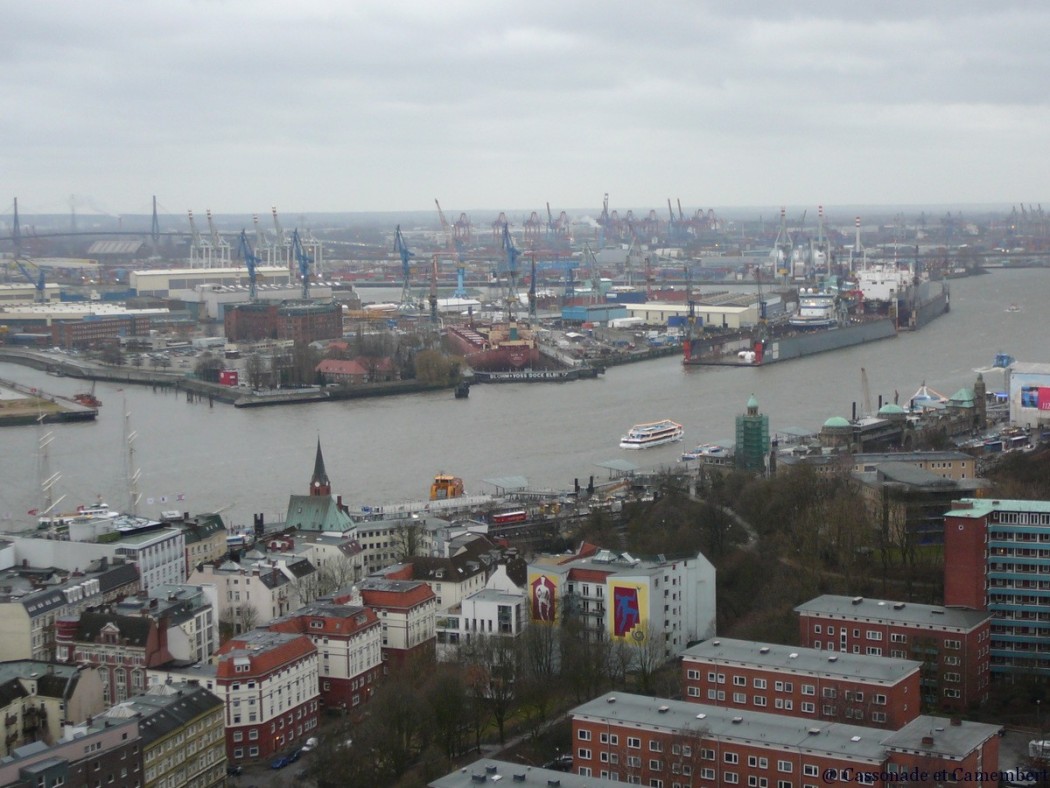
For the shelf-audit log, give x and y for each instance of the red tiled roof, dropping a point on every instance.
(264, 660)
(409, 598)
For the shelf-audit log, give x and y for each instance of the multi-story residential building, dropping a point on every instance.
(452, 579)
(193, 630)
(248, 594)
(997, 559)
(32, 599)
(157, 551)
(954, 465)
(881, 692)
(290, 558)
(204, 534)
(181, 733)
(348, 638)
(667, 602)
(406, 610)
(121, 647)
(951, 643)
(488, 612)
(38, 698)
(268, 682)
(651, 741)
(95, 754)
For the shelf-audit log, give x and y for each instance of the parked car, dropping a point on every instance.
(280, 763)
(293, 756)
(311, 743)
(233, 769)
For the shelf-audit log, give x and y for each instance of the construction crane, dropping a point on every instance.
(406, 269)
(196, 242)
(596, 277)
(251, 262)
(304, 260)
(450, 242)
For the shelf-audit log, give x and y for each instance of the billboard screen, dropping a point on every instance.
(1035, 397)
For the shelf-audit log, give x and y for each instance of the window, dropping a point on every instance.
(808, 707)
(731, 757)
(634, 743)
(707, 755)
(655, 745)
(739, 697)
(784, 766)
(880, 700)
(693, 692)
(583, 754)
(830, 692)
(873, 634)
(585, 735)
(730, 777)
(760, 684)
(809, 689)
(810, 770)
(816, 629)
(655, 765)
(693, 674)
(953, 644)
(759, 700)
(739, 681)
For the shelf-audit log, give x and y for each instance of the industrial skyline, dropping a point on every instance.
(369, 106)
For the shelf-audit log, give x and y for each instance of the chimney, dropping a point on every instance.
(927, 741)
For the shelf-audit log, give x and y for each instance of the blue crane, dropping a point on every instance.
(251, 261)
(37, 281)
(406, 270)
(304, 261)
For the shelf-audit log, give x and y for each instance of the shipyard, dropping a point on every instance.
(442, 396)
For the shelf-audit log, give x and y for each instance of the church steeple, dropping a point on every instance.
(319, 483)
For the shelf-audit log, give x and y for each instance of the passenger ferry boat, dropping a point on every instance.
(656, 433)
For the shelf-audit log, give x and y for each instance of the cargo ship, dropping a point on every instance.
(497, 347)
(884, 299)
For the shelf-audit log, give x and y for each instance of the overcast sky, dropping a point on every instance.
(379, 105)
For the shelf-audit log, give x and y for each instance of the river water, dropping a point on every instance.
(387, 450)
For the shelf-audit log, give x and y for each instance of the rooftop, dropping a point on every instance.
(852, 741)
(906, 613)
(803, 660)
(980, 507)
(165, 708)
(492, 772)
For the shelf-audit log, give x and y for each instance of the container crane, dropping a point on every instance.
(304, 260)
(218, 245)
(251, 262)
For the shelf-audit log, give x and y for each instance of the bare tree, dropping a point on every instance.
(408, 538)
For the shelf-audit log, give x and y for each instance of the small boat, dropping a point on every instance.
(1013, 308)
(656, 433)
(705, 451)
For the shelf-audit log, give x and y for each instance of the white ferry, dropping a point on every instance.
(644, 436)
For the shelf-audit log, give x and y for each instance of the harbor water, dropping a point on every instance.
(196, 457)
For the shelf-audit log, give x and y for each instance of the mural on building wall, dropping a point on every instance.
(628, 609)
(543, 597)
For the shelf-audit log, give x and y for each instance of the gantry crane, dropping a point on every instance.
(251, 262)
(304, 260)
(406, 269)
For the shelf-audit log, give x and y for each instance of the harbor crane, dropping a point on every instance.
(406, 269)
(512, 271)
(251, 261)
(39, 294)
(304, 260)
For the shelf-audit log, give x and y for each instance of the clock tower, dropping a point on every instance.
(319, 483)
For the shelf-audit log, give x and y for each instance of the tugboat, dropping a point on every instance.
(446, 486)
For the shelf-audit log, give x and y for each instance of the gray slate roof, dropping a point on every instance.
(890, 612)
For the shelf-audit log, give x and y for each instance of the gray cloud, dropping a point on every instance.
(382, 106)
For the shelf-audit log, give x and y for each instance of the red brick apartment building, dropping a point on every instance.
(952, 644)
(675, 744)
(268, 681)
(880, 692)
(348, 641)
